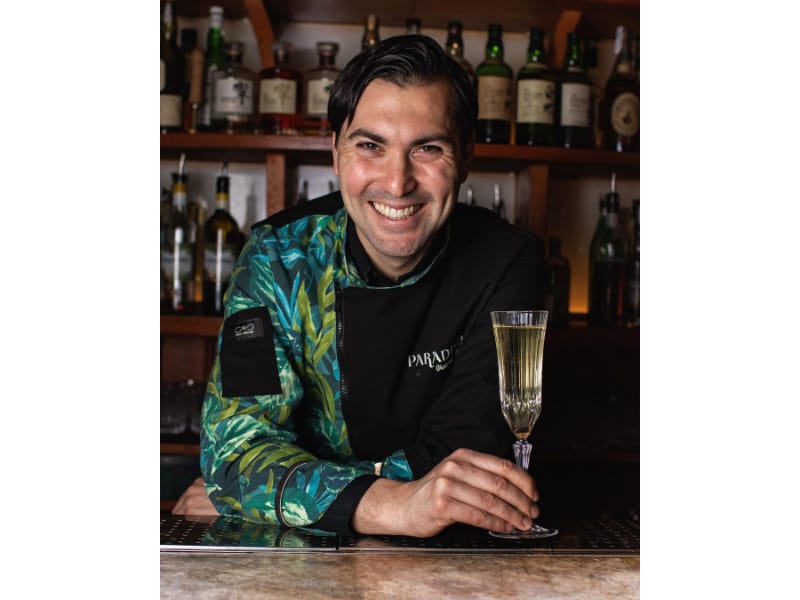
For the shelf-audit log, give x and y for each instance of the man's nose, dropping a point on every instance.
(399, 178)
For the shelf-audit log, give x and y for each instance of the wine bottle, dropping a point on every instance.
(214, 60)
(317, 90)
(279, 90)
(495, 82)
(536, 95)
(223, 243)
(454, 46)
(173, 72)
(574, 99)
(556, 288)
(371, 31)
(620, 106)
(177, 257)
(607, 264)
(233, 101)
(632, 269)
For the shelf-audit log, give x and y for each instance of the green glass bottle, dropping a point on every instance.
(536, 95)
(574, 99)
(495, 86)
(215, 60)
(173, 72)
(607, 264)
(620, 108)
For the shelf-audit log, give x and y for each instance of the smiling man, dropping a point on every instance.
(355, 387)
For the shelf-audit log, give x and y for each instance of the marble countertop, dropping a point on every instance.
(239, 576)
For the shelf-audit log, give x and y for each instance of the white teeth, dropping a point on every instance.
(394, 213)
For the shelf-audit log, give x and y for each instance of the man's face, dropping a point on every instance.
(399, 166)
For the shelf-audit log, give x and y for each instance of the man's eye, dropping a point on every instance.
(370, 146)
(429, 150)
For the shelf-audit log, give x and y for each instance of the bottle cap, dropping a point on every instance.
(327, 48)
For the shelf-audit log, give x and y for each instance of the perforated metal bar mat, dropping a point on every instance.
(601, 537)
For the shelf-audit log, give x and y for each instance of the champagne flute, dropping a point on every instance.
(519, 340)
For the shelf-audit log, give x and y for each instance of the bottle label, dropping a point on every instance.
(176, 261)
(277, 96)
(625, 114)
(494, 98)
(219, 260)
(233, 96)
(319, 90)
(575, 103)
(171, 114)
(535, 101)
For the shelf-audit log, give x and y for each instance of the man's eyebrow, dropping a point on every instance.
(427, 139)
(361, 132)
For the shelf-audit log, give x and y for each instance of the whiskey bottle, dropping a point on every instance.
(233, 101)
(223, 243)
(495, 81)
(620, 106)
(536, 95)
(556, 288)
(371, 32)
(454, 46)
(177, 258)
(317, 90)
(607, 264)
(173, 72)
(214, 60)
(574, 100)
(279, 90)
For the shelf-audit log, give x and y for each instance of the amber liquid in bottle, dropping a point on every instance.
(279, 95)
(317, 90)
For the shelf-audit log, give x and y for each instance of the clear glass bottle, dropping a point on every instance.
(371, 31)
(317, 90)
(214, 60)
(223, 243)
(233, 103)
(607, 264)
(495, 85)
(454, 45)
(556, 288)
(279, 94)
(177, 256)
(173, 72)
(574, 99)
(536, 96)
(620, 107)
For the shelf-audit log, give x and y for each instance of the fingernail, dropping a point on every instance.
(526, 523)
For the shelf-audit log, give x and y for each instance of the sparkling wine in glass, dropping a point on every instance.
(519, 340)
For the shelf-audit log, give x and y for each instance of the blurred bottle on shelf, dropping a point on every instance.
(620, 107)
(177, 256)
(214, 61)
(495, 83)
(279, 91)
(574, 100)
(173, 72)
(371, 31)
(194, 98)
(556, 289)
(413, 26)
(233, 103)
(498, 206)
(317, 90)
(198, 285)
(223, 243)
(632, 268)
(188, 43)
(454, 45)
(607, 264)
(303, 195)
(470, 201)
(536, 96)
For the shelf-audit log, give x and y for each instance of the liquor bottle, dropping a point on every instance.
(620, 106)
(574, 100)
(607, 264)
(173, 72)
(556, 288)
(495, 82)
(233, 101)
(317, 90)
(497, 202)
(188, 43)
(454, 45)
(413, 26)
(371, 32)
(279, 90)
(198, 286)
(223, 242)
(177, 257)
(194, 100)
(214, 60)
(632, 270)
(536, 95)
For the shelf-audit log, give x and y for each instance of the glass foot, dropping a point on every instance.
(534, 533)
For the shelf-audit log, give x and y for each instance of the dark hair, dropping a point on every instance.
(404, 60)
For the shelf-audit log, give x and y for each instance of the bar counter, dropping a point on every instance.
(592, 560)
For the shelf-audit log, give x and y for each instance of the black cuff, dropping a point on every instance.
(337, 517)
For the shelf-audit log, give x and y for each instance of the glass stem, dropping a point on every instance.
(522, 453)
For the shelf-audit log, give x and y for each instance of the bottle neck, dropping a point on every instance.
(222, 201)
(494, 48)
(179, 196)
(573, 59)
(454, 45)
(327, 61)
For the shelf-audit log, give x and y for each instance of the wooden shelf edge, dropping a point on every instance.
(182, 449)
(190, 325)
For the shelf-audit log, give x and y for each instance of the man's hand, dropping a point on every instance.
(466, 487)
(194, 502)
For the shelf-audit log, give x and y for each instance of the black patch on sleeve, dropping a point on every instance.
(247, 356)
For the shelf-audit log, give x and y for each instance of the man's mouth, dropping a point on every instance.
(396, 214)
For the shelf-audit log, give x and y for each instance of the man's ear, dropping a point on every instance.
(334, 154)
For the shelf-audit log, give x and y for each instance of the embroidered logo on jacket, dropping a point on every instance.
(247, 330)
(438, 360)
